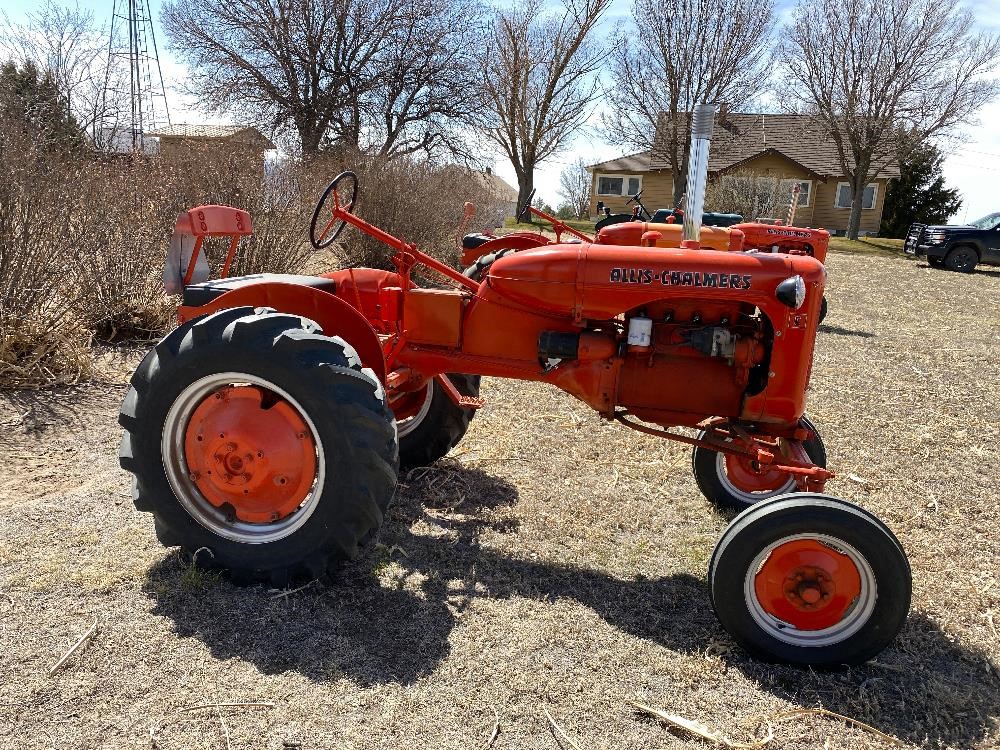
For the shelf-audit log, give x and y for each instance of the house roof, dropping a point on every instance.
(737, 138)
(241, 133)
(498, 186)
(637, 162)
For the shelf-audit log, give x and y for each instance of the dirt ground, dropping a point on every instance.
(551, 563)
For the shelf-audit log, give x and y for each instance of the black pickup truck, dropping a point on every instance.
(957, 248)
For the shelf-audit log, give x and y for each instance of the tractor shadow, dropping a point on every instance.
(374, 628)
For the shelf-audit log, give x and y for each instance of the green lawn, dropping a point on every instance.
(867, 246)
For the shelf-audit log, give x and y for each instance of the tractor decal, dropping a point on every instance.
(680, 278)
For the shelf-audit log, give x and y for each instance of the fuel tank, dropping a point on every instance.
(599, 282)
(630, 233)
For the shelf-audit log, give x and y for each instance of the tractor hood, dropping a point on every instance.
(599, 282)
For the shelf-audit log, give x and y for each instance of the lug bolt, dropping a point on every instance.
(246, 477)
(260, 454)
(230, 447)
(227, 476)
(275, 516)
(193, 476)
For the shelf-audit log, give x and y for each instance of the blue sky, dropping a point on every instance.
(973, 166)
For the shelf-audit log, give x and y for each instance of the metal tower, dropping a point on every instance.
(133, 40)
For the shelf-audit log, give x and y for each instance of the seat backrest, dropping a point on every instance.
(220, 221)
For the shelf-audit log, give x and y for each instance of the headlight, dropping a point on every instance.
(791, 292)
(936, 237)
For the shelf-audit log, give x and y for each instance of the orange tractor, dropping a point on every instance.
(480, 250)
(265, 433)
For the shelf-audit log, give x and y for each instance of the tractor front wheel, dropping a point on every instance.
(737, 482)
(435, 423)
(259, 445)
(811, 580)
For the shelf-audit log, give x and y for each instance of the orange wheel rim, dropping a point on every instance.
(749, 476)
(807, 584)
(250, 453)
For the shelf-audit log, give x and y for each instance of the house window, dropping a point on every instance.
(805, 190)
(619, 184)
(844, 196)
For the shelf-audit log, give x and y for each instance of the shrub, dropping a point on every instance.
(416, 201)
(40, 338)
(83, 238)
(749, 194)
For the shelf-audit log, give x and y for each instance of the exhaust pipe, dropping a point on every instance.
(702, 121)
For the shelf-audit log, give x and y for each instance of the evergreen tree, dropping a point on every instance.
(919, 194)
(33, 107)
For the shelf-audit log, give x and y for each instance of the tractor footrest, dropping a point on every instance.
(471, 402)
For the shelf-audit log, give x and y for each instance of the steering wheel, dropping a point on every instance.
(339, 192)
(522, 211)
(636, 197)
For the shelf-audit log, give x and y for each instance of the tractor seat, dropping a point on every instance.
(197, 295)
(472, 241)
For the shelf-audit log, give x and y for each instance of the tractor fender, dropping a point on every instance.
(514, 241)
(335, 316)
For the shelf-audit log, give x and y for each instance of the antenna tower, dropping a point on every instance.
(133, 40)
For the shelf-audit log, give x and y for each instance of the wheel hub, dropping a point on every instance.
(748, 475)
(807, 584)
(250, 454)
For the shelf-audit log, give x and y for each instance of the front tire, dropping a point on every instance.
(255, 437)
(962, 259)
(438, 424)
(809, 579)
(734, 483)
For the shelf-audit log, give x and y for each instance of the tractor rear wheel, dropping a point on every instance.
(809, 579)
(437, 423)
(478, 270)
(735, 482)
(259, 445)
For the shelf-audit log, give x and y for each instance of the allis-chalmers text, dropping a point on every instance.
(680, 278)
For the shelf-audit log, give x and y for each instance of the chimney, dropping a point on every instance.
(702, 121)
(489, 170)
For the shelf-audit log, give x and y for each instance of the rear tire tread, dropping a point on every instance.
(356, 496)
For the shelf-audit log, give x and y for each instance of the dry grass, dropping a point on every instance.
(552, 563)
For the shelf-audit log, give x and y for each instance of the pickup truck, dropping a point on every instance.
(958, 248)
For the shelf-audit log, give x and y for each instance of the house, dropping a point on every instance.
(502, 191)
(789, 147)
(222, 141)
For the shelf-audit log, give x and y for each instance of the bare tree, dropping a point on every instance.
(538, 81)
(883, 77)
(425, 84)
(386, 76)
(574, 188)
(665, 63)
(66, 42)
